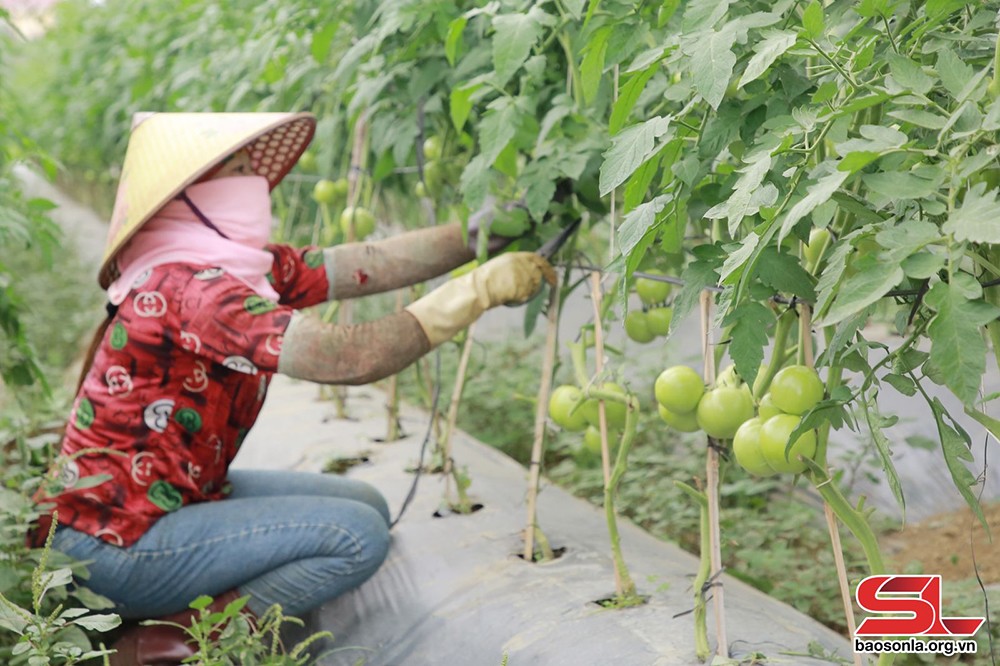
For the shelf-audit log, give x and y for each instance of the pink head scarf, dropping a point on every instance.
(239, 207)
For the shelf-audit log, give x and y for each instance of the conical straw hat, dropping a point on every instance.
(169, 151)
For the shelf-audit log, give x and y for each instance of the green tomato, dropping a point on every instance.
(659, 320)
(679, 389)
(324, 191)
(723, 410)
(340, 188)
(818, 241)
(637, 327)
(766, 409)
(614, 411)
(561, 404)
(308, 161)
(432, 147)
(364, 222)
(330, 235)
(592, 440)
(652, 292)
(746, 448)
(796, 389)
(420, 189)
(728, 377)
(774, 436)
(682, 422)
(434, 177)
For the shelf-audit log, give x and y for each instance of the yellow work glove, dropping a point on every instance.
(509, 279)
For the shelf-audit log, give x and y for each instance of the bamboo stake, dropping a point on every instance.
(392, 409)
(805, 344)
(595, 297)
(712, 488)
(537, 446)
(346, 313)
(456, 398)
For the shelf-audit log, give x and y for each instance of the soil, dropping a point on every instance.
(943, 544)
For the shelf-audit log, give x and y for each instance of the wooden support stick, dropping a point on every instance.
(346, 313)
(538, 446)
(456, 399)
(392, 409)
(805, 344)
(712, 488)
(595, 297)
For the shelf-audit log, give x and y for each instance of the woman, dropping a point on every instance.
(202, 313)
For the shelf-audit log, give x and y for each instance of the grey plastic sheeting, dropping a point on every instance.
(453, 590)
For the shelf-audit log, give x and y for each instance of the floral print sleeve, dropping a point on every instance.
(299, 275)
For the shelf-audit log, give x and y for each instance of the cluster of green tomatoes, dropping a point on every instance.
(333, 193)
(570, 410)
(760, 432)
(653, 320)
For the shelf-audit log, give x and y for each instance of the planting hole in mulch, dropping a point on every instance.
(615, 603)
(446, 511)
(556, 554)
(344, 463)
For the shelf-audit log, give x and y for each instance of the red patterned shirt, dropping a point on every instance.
(177, 382)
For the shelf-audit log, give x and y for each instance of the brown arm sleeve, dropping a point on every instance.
(360, 269)
(352, 354)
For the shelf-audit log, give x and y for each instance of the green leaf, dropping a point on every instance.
(955, 446)
(812, 21)
(104, 622)
(896, 185)
(700, 14)
(976, 219)
(862, 289)
(958, 351)
(322, 39)
(901, 383)
(640, 222)
(475, 182)
(774, 44)
(923, 265)
(628, 96)
(629, 149)
(638, 184)
(836, 262)
(698, 274)
(819, 193)
(783, 272)
(497, 128)
(919, 118)
(909, 74)
(750, 322)
(873, 418)
(592, 67)
(711, 64)
(906, 238)
(538, 195)
(453, 41)
(738, 257)
(513, 38)
(748, 196)
(954, 73)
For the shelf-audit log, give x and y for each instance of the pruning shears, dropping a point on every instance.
(554, 244)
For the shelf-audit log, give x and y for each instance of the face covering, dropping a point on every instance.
(237, 211)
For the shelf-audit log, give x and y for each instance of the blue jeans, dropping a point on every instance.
(292, 538)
